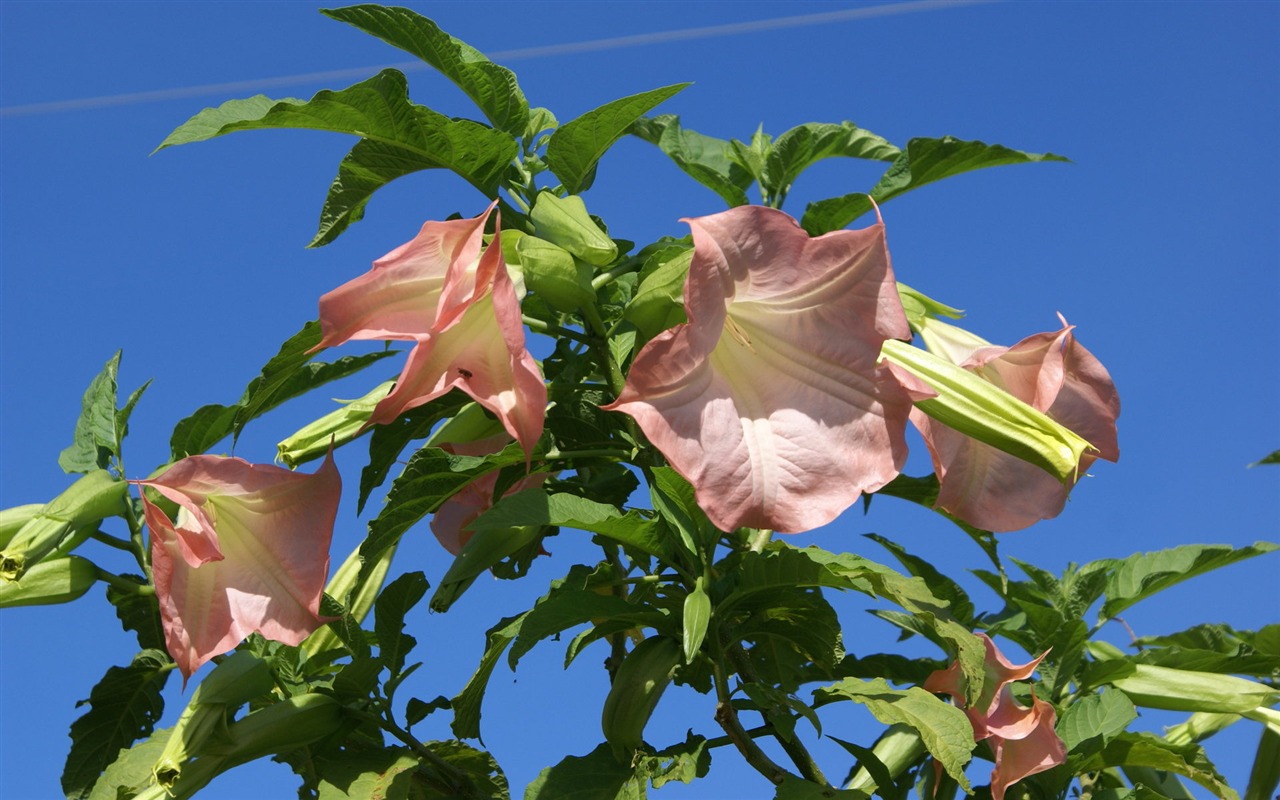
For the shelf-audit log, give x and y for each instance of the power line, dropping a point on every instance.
(523, 53)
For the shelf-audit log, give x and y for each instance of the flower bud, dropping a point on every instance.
(89, 500)
(989, 414)
(898, 748)
(280, 727)
(332, 430)
(565, 221)
(54, 580)
(12, 520)
(554, 274)
(357, 599)
(1185, 690)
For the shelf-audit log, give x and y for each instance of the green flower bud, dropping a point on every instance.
(12, 520)
(470, 424)
(333, 429)
(357, 598)
(989, 414)
(898, 748)
(1185, 690)
(565, 221)
(54, 580)
(280, 728)
(554, 274)
(238, 679)
(80, 508)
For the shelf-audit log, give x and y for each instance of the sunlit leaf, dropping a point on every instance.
(704, 158)
(1143, 574)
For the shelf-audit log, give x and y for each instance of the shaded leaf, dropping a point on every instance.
(123, 707)
(536, 507)
(576, 147)
(466, 706)
(131, 770)
(96, 436)
(396, 600)
(804, 145)
(924, 161)
(942, 587)
(704, 158)
(384, 773)
(388, 441)
(595, 776)
(1149, 750)
(1274, 458)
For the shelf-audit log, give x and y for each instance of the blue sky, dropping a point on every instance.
(1161, 242)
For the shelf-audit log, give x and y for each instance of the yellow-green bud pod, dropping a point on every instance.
(87, 502)
(357, 599)
(988, 413)
(470, 424)
(898, 748)
(54, 580)
(565, 221)
(12, 520)
(552, 273)
(1185, 690)
(333, 429)
(638, 685)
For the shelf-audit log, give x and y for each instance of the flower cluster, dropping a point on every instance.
(1022, 739)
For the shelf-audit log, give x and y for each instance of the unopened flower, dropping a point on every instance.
(1053, 373)
(450, 295)
(769, 399)
(1023, 739)
(248, 551)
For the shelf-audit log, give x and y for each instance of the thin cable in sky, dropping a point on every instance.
(543, 51)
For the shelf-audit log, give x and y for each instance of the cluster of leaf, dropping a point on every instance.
(673, 599)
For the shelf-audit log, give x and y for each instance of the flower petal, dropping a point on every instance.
(273, 529)
(769, 400)
(1040, 749)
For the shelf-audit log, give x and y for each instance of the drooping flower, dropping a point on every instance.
(449, 523)
(452, 296)
(1050, 371)
(769, 400)
(1023, 739)
(248, 551)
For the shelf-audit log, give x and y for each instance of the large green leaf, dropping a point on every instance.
(924, 161)
(1149, 750)
(123, 708)
(398, 137)
(596, 776)
(100, 429)
(431, 477)
(355, 775)
(286, 376)
(944, 728)
(802, 146)
(704, 158)
(493, 88)
(576, 147)
(466, 706)
(942, 587)
(536, 507)
(1093, 720)
(393, 604)
(1143, 574)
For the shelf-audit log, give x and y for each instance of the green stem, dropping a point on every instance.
(138, 546)
(759, 539)
(459, 782)
(538, 326)
(796, 750)
(112, 541)
(727, 717)
(604, 452)
(124, 584)
(612, 274)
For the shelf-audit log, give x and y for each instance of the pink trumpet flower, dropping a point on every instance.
(1023, 739)
(1054, 373)
(459, 306)
(248, 551)
(769, 400)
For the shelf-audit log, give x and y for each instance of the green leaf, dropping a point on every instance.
(795, 636)
(564, 608)
(704, 158)
(97, 436)
(924, 491)
(123, 708)
(1149, 750)
(536, 507)
(804, 145)
(1143, 574)
(396, 600)
(1274, 458)
(944, 728)
(674, 500)
(682, 762)
(595, 776)
(795, 788)
(924, 161)
(1090, 722)
(388, 441)
(1264, 777)
(130, 771)
(431, 477)
(942, 587)
(483, 551)
(487, 778)
(659, 300)
(286, 376)
(366, 774)
(576, 147)
(491, 87)
(697, 615)
(466, 706)
(139, 613)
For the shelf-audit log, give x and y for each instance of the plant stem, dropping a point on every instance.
(759, 539)
(727, 717)
(538, 326)
(112, 541)
(794, 748)
(459, 782)
(611, 275)
(124, 584)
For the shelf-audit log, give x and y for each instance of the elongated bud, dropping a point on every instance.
(921, 308)
(12, 520)
(333, 429)
(565, 221)
(238, 679)
(949, 341)
(989, 414)
(54, 580)
(1199, 725)
(86, 503)
(357, 598)
(470, 424)
(280, 728)
(898, 748)
(1185, 690)
(552, 273)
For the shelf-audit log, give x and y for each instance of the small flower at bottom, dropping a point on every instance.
(248, 551)
(1022, 739)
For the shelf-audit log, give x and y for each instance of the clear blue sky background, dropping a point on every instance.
(1160, 242)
